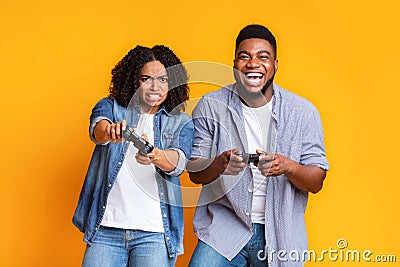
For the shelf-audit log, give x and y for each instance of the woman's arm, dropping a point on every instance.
(166, 160)
(105, 131)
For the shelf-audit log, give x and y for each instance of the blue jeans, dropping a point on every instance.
(206, 256)
(114, 247)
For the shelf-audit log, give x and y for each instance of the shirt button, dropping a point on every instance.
(119, 163)
(250, 190)
(104, 207)
(167, 237)
(109, 185)
(247, 213)
(165, 215)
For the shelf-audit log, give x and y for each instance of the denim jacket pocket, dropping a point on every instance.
(167, 140)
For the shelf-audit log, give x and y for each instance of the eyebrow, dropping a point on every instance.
(158, 76)
(258, 52)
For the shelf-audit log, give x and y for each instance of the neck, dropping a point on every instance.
(256, 100)
(149, 110)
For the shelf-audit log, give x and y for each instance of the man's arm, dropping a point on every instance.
(305, 177)
(204, 171)
(309, 173)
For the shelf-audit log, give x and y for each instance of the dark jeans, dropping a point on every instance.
(251, 255)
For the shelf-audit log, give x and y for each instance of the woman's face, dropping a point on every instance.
(153, 86)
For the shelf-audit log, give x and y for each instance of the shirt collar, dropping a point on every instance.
(234, 100)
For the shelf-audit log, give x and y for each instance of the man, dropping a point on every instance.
(252, 213)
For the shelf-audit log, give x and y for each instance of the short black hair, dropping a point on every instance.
(256, 31)
(126, 75)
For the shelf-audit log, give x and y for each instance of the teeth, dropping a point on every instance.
(253, 75)
(154, 96)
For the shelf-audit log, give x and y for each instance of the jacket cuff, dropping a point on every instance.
(91, 129)
(180, 166)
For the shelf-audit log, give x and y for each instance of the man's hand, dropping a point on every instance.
(273, 164)
(230, 163)
(308, 178)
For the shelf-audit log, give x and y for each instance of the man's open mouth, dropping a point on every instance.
(253, 78)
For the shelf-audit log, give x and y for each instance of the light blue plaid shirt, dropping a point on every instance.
(223, 217)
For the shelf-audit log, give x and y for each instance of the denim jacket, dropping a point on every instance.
(170, 132)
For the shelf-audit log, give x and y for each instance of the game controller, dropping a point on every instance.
(142, 145)
(247, 157)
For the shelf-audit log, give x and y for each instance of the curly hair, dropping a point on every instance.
(126, 76)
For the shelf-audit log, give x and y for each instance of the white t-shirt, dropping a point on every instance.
(134, 202)
(256, 124)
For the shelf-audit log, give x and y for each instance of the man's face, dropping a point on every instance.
(153, 86)
(255, 64)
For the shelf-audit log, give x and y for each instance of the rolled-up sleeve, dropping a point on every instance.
(313, 149)
(103, 110)
(183, 142)
(181, 165)
(203, 144)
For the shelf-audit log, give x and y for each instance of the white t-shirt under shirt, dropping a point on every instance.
(256, 124)
(134, 202)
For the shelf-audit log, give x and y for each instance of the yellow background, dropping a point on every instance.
(55, 62)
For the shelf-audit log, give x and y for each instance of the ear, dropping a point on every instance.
(276, 65)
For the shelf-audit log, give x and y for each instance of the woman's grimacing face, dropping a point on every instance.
(153, 86)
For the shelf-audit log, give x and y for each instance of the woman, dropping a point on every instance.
(130, 205)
